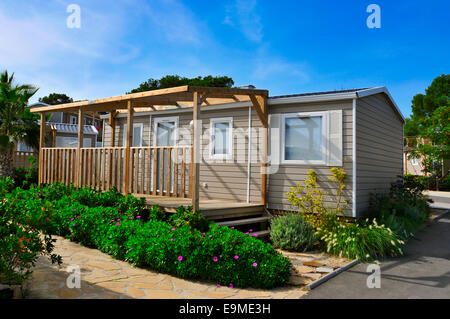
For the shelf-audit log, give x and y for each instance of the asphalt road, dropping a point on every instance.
(422, 272)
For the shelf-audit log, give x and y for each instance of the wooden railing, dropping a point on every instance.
(21, 159)
(158, 171)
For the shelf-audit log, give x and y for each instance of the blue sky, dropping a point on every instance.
(283, 46)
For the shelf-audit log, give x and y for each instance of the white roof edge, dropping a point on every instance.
(380, 89)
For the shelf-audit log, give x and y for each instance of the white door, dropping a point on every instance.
(165, 134)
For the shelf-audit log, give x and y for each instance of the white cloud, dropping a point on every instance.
(242, 15)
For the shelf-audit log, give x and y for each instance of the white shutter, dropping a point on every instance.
(335, 145)
(275, 140)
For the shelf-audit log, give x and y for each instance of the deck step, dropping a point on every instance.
(244, 221)
(231, 212)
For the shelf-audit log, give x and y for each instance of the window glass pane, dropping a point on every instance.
(137, 136)
(303, 138)
(221, 142)
(165, 134)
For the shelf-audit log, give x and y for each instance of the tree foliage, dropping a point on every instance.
(56, 98)
(16, 121)
(169, 81)
(431, 120)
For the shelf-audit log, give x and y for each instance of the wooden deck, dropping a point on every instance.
(212, 209)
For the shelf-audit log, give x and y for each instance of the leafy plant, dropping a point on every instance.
(185, 216)
(292, 232)
(307, 197)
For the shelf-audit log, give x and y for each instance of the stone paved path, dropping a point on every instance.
(104, 277)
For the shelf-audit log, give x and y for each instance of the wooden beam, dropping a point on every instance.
(41, 145)
(80, 145)
(112, 123)
(129, 141)
(265, 112)
(196, 151)
(258, 104)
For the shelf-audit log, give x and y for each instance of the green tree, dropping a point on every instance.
(169, 81)
(430, 120)
(16, 120)
(56, 98)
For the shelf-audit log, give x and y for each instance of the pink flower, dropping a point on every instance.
(118, 220)
(138, 216)
(180, 258)
(255, 265)
(236, 257)
(246, 233)
(79, 216)
(250, 230)
(173, 229)
(255, 235)
(230, 286)
(172, 239)
(218, 286)
(73, 209)
(231, 227)
(203, 234)
(215, 259)
(72, 218)
(117, 224)
(210, 236)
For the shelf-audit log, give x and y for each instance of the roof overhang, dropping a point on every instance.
(177, 97)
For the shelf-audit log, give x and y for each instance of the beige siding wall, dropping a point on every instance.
(288, 175)
(228, 180)
(379, 142)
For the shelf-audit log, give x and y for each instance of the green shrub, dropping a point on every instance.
(365, 240)
(25, 176)
(403, 210)
(292, 232)
(185, 246)
(189, 253)
(416, 181)
(6, 186)
(185, 216)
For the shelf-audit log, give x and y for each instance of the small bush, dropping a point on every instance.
(25, 176)
(186, 217)
(365, 240)
(292, 232)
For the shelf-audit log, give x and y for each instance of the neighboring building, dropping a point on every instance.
(63, 127)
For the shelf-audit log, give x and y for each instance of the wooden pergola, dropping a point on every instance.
(194, 97)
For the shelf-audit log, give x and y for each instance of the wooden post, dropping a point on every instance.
(80, 145)
(53, 137)
(112, 123)
(263, 103)
(129, 141)
(196, 149)
(41, 145)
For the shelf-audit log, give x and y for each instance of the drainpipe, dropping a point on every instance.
(249, 151)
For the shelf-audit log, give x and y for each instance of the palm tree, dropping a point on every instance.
(17, 123)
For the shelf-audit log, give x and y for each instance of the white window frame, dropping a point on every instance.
(324, 116)
(415, 161)
(229, 154)
(73, 117)
(158, 120)
(141, 126)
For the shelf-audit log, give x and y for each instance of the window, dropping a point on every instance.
(71, 141)
(303, 138)
(221, 138)
(414, 161)
(73, 119)
(165, 131)
(22, 147)
(137, 134)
